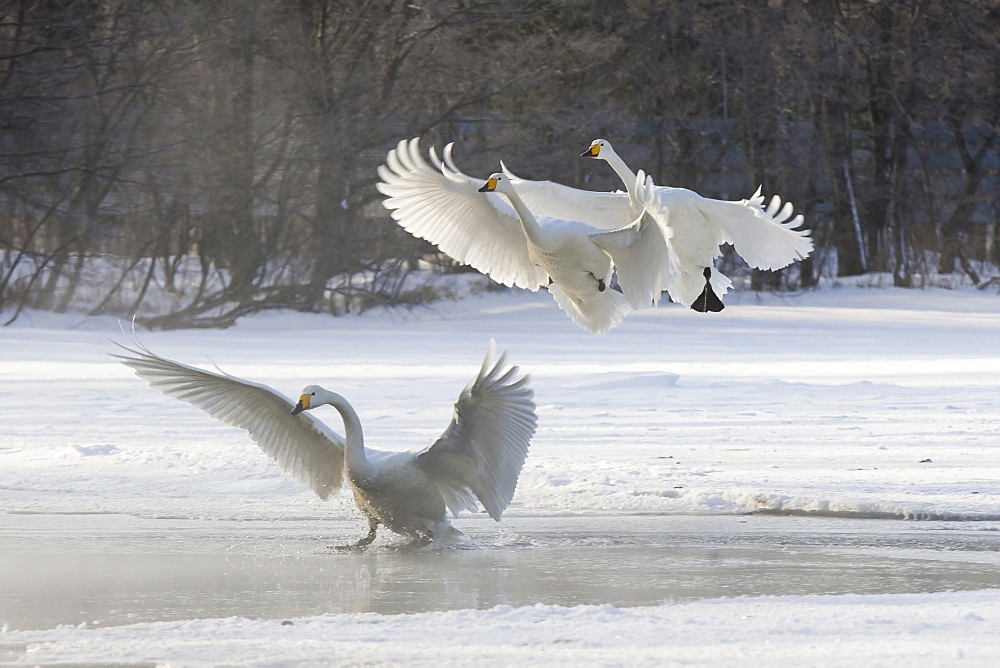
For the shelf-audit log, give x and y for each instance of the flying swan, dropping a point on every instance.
(696, 226)
(700, 225)
(573, 255)
(479, 456)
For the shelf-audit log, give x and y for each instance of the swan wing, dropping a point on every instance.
(442, 205)
(301, 445)
(765, 238)
(644, 256)
(483, 449)
(602, 210)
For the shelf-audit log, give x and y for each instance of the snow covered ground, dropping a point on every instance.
(854, 403)
(926, 629)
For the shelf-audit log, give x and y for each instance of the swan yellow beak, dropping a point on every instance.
(489, 186)
(592, 152)
(303, 404)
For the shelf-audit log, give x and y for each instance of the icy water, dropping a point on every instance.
(106, 570)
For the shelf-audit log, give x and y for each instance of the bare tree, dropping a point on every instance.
(192, 162)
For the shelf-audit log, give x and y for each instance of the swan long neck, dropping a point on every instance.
(529, 225)
(621, 169)
(354, 439)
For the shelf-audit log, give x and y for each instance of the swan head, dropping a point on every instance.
(311, 397)
(599, 148)
(498, 182)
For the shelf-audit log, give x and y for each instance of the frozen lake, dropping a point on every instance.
(109, 570)
(803, 480)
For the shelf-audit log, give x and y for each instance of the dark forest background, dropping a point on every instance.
(223, 153)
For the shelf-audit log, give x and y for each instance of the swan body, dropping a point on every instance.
(765, 238)
(496, 232)
(568, 252)
(478, 457)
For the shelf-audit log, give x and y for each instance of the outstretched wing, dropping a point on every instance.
(602, 210)
(443, 206)
(300, 444)
(765, 238)
(643, 254)
(483, 449)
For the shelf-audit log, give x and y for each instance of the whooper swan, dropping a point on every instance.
(765, 238)
(696, 226)
(479, 456)
(573, 256)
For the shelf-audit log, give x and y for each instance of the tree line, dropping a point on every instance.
(192, 162)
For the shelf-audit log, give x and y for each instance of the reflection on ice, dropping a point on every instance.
(243, 571)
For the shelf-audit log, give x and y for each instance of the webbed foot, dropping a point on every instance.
(419, 542)
(601, 285)
(360, 545)
(708, 301)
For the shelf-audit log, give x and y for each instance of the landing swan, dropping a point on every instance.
(479, 456)
(573, 255)
(700, 225)
(695, 226)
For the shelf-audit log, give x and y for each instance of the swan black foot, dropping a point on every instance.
(601, 285)
(412, 543)
(361, 544)
(420, 542)
(708, 301)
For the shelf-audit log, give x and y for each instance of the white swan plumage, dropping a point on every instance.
(698, 225)
(573, 255)
(478, 457)
(765, 238)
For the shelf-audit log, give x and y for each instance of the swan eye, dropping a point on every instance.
(312, 394)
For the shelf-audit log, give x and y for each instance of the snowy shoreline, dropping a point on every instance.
(938, 629)
(850, 403)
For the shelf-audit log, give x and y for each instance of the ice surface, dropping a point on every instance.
(840, 403)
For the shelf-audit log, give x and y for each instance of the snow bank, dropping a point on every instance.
(874, 403)
(944, 629)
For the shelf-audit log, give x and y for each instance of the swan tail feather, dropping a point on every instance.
(599, 314)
